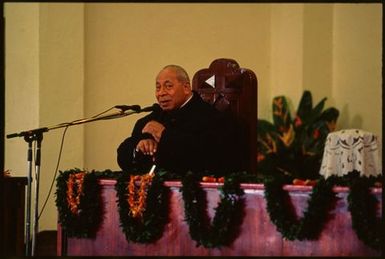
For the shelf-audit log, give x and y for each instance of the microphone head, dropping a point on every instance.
(136, 108)
(154, 107)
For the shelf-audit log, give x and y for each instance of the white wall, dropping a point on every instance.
(44, 87)
(286, 55)
(22, 80)
(357, 64)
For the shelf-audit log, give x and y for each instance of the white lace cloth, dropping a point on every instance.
(351, 149)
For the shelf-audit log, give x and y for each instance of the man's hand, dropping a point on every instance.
(147, 146)
(155, 129)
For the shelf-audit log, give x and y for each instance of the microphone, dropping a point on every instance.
(136, 108)
(154, 107)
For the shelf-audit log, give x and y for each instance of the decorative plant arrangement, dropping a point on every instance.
(144, 225)
(228, 214)
(294, 147)
(77, 200)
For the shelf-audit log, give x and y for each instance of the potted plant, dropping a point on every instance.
(294, 147)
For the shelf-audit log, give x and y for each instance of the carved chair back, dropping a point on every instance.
(233, 89)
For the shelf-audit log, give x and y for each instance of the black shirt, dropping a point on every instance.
(197, 137)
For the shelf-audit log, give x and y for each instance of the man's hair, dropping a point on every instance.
(181, 74)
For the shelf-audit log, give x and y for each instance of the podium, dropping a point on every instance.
(258, 235)
(13, 215)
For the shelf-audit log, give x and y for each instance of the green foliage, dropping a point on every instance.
(279, 207)
(294, 147)
(88, 220)
(363, 206)
(224, 228)
(150, 227)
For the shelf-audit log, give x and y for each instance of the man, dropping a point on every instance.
(183, 133)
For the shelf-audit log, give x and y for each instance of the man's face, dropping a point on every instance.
(169, 91)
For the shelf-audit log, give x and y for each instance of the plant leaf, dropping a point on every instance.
(330, 114)
(305, 105)
(281, 114)
(266, 139)
(317, 110)
(264, 126)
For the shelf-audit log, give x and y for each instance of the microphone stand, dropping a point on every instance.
(37, 135)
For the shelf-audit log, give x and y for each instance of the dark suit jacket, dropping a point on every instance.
(197, 137)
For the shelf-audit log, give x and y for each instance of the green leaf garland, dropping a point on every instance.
(228, 216)
(230, 211)
(287, 223)
(363, 208)
(150, 227)
(87, 221)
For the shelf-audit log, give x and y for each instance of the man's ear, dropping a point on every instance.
(187, 87)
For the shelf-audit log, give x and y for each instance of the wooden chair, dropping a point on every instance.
(232, 89)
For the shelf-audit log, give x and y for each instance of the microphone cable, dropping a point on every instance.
(56, 169)
(97, 115)
(58, 161)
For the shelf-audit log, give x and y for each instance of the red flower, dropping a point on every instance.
(316, 134)
(260, 157)
(297, 122)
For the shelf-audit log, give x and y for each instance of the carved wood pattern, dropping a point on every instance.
(235, 91)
